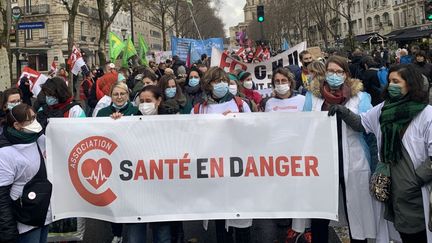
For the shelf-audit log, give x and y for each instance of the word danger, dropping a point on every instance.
(262, 166)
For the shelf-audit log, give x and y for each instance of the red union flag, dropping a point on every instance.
(35, 78)
(75, 61)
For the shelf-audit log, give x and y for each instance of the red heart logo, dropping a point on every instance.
(96, 172)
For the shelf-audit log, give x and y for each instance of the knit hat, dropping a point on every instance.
(181, 70)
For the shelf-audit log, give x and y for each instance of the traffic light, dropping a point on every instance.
(428, 10)
(260, 13)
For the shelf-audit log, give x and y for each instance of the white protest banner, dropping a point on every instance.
(162, 56)
(194, 167)
(261, 72)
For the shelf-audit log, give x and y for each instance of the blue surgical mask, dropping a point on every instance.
(220, 89)
(170, 92)
(119, 107)
(10, 106)
(51, 100)
(194, 82)
(335, 80)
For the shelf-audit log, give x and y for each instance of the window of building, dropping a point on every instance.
(38, 62)
(82, 28)
(377, 20)
(27, 6)
(360, 23)
(358, 7)
(65, 29)
(386, 18)
(43, 33)
(345, 26)
(28, 34)
(369, 22)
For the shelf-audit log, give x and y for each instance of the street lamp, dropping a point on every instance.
(123, 33)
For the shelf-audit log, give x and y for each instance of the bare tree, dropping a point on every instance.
(5, 10)
(320, 10)
(72, 10)
(105, 21)
(160, 15)
(343, 8)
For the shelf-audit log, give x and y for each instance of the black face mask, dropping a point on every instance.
(421, 63)
(306, 64)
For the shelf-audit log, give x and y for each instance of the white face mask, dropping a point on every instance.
(147, 108)
(34, 127)
(248, 84)
(282, 89)
(233, 89)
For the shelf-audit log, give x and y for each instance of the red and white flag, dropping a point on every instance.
(53, 68)
(75, 61)
(35, 78)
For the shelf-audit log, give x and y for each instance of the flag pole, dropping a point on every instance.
(193, 19)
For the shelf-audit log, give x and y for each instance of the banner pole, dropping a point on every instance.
(196, 26)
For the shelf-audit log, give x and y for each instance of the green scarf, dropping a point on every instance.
(395, 116)
(18, 137)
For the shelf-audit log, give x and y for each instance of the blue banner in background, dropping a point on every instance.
(180, 46)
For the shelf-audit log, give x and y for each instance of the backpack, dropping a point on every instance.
(238, 100)
(382, 76)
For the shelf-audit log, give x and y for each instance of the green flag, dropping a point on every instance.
(128, 52)
(189, 2)
(116, 46)
(142, 50)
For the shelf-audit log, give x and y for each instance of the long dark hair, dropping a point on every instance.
(163, 84)
(6, 94)
(19, 113)
(415, 82)
(57, 87)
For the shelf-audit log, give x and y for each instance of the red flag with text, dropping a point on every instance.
(75, 61)
(35, 78)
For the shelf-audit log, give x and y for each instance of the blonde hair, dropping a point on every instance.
(120, 85)
(318, 68)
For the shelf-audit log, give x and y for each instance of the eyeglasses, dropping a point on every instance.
(337, 72)
(119, 94)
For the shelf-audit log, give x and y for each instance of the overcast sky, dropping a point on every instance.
(232, 13)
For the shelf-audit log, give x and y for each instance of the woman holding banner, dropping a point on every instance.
(402, 125)
(148, 101)
(120, 105)
(285, 100)
(218, 100)
(22, 173)
(339, 88)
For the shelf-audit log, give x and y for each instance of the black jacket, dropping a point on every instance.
(372, 85)
(8, 224)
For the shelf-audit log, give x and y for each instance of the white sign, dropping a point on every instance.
(162, 56)
(194, 167)
(261, 72)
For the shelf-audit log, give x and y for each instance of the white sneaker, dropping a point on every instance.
(117, 239)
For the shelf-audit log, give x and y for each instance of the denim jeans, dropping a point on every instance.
(137, 233)
(38, 235)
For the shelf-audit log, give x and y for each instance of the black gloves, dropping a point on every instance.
(351, 119)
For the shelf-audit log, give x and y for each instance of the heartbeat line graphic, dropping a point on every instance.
(99, 176)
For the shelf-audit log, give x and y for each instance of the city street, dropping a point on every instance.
(263, 231)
